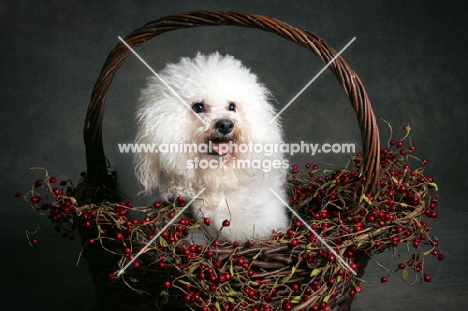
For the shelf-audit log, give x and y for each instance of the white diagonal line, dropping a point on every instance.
(311, 81)
(160, 78)
(121, 271)
(315, 233)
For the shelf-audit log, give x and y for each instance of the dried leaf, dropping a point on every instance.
(364, 198)
(296, 299)
(293, 269)
(316, 271)
(404, 276)
(232, 293)
(192, 269)
(183, 282)
(195, 226)
(256, 256)
(162, 242)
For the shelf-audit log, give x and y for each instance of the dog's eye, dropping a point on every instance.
(232, 107)
(198, 107)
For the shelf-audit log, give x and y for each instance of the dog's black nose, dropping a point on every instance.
(224, 126)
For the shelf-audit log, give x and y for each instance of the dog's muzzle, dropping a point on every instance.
(220, 143)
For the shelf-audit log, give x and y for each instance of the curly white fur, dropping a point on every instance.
(240, 195)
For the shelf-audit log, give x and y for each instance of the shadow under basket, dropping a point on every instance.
(293, 271)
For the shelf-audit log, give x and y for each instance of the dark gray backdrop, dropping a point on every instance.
(411, 55)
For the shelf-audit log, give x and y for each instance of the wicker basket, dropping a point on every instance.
(142, 288)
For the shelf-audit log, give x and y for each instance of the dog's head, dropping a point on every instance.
(207, 108)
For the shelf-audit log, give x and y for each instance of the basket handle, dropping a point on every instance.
(97, 165)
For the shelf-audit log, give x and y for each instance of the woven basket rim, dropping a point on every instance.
(96, 161)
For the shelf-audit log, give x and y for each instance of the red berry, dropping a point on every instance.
(18, 194)
(167, 284)
(56, 192)
(427, 278)
(287, 306)
(222, 278)
(294, 242)
(441, 256)
(331, 258)
(156, 205)
(35, 200)
(34, 241)
(226, 223)
(119, 236)
(384, 279)
(111, 277)
(206, 221)
(52, 180)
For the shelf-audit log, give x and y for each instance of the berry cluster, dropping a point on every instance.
(292, 271)
(363, 224)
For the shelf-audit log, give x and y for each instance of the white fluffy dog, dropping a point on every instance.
(235, 110)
